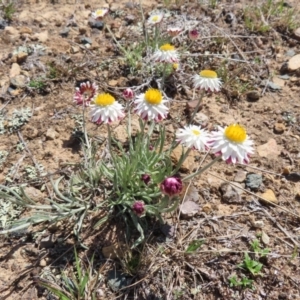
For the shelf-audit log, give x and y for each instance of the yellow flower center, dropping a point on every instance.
(155, 18)
(167, 47)
(153, 96)
(99, 12)
(104, 100)
(208, 74)
(175, 66)
(196, 132)
(235, 133)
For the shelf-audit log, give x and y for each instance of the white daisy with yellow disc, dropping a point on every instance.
(155, 19)
(207, 80)
(100, 13)
(166, 54)
(151, 105)
(193, 136)
(105, 109)
(232, 143)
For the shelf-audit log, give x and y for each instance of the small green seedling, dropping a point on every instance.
(194, 246)
(253, 266)
(260, 252)
(244, 283)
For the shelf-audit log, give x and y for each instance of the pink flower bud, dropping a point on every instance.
(171, 186)
(128, 94)
(138, 208)
(146, 178)
(194, 34)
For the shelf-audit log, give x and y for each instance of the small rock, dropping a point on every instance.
(113, 82)
(18, 81)
(240, 176)
(285, 77)
(14, 92)
(294, 177)
(3, 24)
(96, 24)
(188, 209)
(120, 134)
(189, 163)
(43, 263)
(273, 86)
(117, 280)
(265, 238)
(270, 149)
(253, 96)
(82, 30)
(207, 208)
(278, 81)
(191, 106)
(64, 32)
(230, 194)
(297, 35)
(30, 132)
(21, 57)
(253, 181)
(51, 134)
(168, 230)
(85, 40)
(42, 36)
(26, 30)
(279, 128)
(33, 193)
(75, 49)
(294, 63)
(47, 242)
(11, 31)
(15, 70)
(115, 251)
(269, 196)
(290, 53)
(201, 119)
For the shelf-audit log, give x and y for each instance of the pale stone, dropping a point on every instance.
(279, 128)
(270, 149)
(294, 63)
(269, 196)
(14, 70)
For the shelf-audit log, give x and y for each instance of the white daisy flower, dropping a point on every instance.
(207, 80)
(174, 30)
(105, 109)
(232, 143)
(100, 13)
(150, 105)
(193, 136)
(166, 54)
(155, 19)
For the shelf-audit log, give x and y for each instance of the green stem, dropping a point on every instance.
(156, 34)
(197, 107)
(115, 40)
(173, 207)
(164, 76)
(84, 127)
(218, 158)
(181, 161)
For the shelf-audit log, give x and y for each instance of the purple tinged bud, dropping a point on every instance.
(138, 208)
(194, 34)
(171, 186)
(146, 178)
(128, 94)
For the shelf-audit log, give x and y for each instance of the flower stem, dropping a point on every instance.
(173, 207)
(164, 76)
(181, 161)
(218, 158)
(197, 107)
(84, 127)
